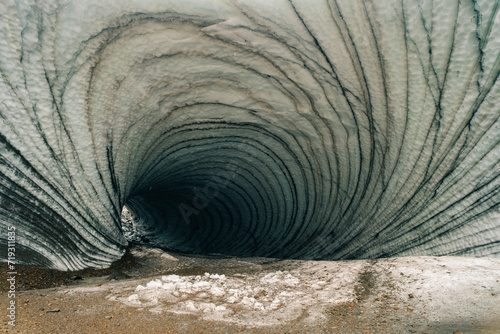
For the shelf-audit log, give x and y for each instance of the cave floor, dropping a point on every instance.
(152, 291)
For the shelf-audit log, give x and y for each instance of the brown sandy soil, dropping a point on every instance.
(412, 295)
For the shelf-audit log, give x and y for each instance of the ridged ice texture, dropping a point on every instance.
(304, 129)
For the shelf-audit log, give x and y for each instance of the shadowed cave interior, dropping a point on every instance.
(217, 205)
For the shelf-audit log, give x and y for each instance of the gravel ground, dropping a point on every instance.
(406, 295)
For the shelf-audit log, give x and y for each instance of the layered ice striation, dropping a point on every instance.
(290, 129)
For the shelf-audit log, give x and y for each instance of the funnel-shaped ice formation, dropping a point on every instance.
(306, 129)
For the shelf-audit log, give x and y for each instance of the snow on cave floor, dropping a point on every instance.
(169, 292)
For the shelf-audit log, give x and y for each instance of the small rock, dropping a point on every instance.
(458, 332)
(76, 278)
(118, 276)
(53, 310)
(109, 317)
(41, 309)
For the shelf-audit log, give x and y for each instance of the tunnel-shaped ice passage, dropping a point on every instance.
(306, 129)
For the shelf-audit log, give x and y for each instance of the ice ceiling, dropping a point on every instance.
(298, 129)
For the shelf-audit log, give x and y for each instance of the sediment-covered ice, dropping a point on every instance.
(278, 296)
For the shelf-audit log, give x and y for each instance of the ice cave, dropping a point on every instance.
(288, 129)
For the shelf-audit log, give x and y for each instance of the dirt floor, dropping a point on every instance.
(152, 291)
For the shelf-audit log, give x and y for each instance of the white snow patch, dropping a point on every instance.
(264, 298)
(134, 299)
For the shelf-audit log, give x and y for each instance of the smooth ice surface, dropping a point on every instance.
(290, 129)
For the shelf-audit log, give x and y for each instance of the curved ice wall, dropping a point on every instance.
(306, 129)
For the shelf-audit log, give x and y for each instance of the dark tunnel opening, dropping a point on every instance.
(221, 210)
